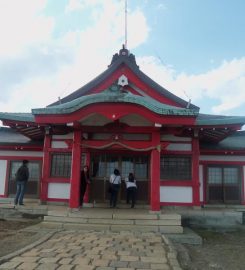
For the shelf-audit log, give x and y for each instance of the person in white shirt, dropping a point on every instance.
(131, 189)
(115, 182)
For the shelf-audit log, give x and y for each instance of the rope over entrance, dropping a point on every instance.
(157, 147)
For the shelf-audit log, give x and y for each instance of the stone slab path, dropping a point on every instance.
(98, 250)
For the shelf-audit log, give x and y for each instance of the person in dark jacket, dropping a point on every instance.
(85, 180)
(22, 177)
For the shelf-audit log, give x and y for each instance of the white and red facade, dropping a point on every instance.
(124, 119)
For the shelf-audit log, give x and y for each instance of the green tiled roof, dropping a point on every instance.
(26, 117)
(114, 95)
(207, 119)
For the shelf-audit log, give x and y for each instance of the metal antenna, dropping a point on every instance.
(61, 94)
(126, 18)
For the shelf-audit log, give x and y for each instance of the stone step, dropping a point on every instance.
(120, 205)
(168, 229)
(119, 221)
(135, 221)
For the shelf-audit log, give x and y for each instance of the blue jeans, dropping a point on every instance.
(20, 192)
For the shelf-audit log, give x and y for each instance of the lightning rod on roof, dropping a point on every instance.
(189, 100)
(187, 96)
(62, 93)
(126, 30)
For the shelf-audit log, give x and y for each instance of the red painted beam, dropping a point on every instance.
(114, 112)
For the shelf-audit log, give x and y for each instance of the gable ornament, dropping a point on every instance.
(122, 80)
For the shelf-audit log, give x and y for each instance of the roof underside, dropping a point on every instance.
(215, 128)
(9, 136)
(234, 142)
(23, 123)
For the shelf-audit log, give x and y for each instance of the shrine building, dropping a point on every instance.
(123, 119)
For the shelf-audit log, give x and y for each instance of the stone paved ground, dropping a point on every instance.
(90, 250)
(221, 250)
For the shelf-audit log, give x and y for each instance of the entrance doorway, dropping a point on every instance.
(224, 184)
(103, 165)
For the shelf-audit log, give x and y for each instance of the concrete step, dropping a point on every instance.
(114, 220)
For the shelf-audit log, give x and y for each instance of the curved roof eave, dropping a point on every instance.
(207, 119)
(23, 117)
(119, 97)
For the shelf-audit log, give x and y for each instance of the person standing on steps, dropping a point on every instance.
(85, 180)
(22, 177)
(115, 181)
(131, 189)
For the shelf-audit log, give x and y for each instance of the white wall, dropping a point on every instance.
(59, 144)
(3, 168)
(222, 158)
(176, 194)
(21, 153)
(59, 190)
(66, 136)
(172, 138)
(179, 147)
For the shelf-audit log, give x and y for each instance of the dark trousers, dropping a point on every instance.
(131, 195)
(114, 193)
(83, 190)
(20, 192)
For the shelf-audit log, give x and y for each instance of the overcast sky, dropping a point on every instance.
(193, 48)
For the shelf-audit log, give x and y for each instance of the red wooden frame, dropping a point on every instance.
(234, 163)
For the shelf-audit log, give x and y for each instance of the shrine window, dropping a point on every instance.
(34, 170)
(61, 165)
(176, 168)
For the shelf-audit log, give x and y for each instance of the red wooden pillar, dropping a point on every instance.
(75, 171)
(195, 171)
(155, 173)
(45, 169)
(243, 187)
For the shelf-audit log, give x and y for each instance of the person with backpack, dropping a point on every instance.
(22, 177)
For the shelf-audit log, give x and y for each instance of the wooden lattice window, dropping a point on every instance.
(175, 168)
(61, 165)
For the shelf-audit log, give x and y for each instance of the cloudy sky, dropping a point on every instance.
(194, 48)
